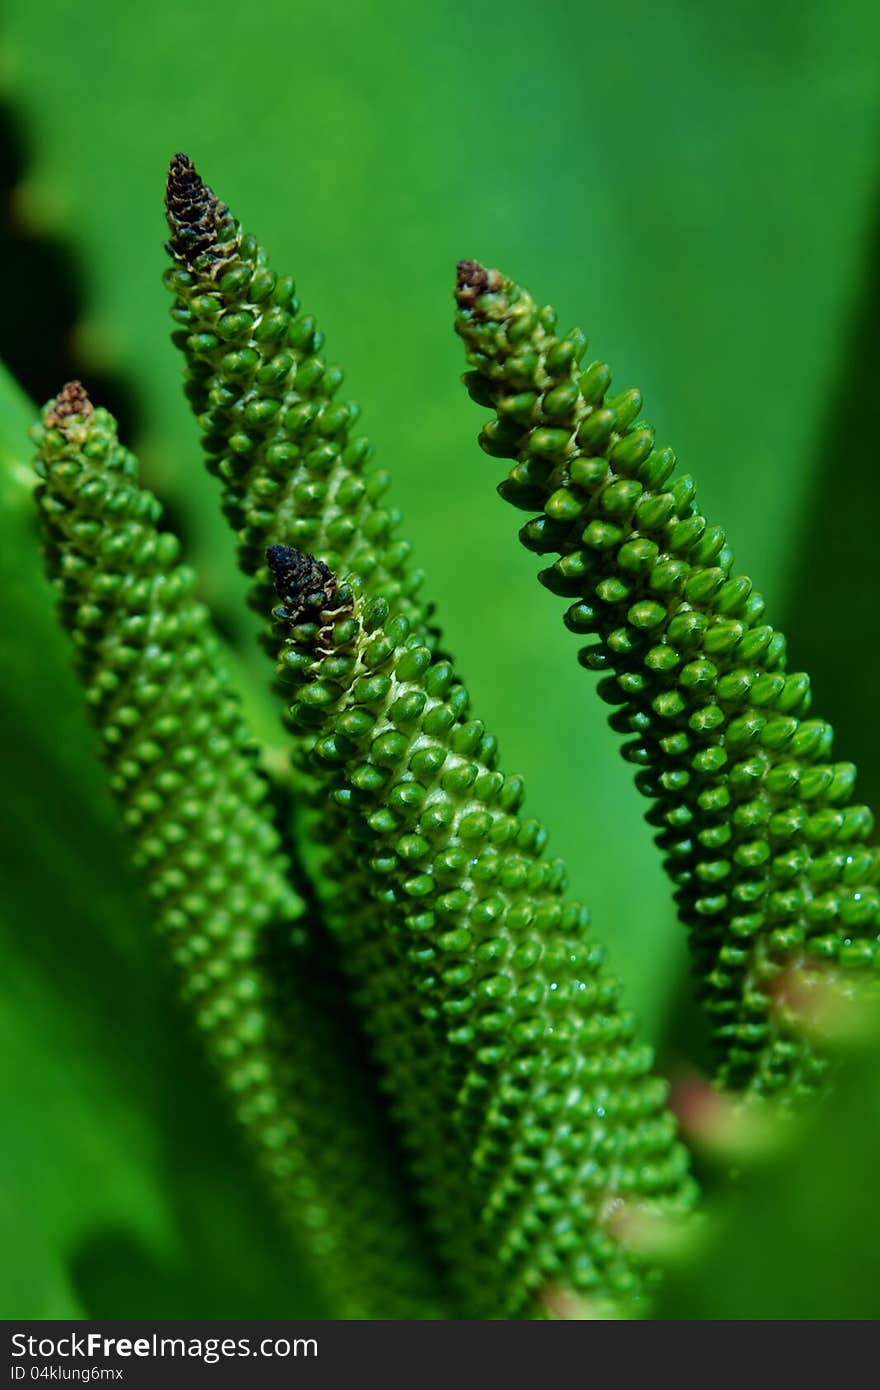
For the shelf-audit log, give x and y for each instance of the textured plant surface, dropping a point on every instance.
(293, 470)
(758, 828)
(258, 970)
(547, 1083)
(291, 465)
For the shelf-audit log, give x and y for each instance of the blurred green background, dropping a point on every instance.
(696, 184)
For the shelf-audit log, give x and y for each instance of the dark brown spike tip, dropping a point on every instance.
(200, 224)
(70, 401)
(184, 185)
(472, 280)
(306, 586)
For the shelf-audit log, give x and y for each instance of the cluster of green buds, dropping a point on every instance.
(291, 464)
(549, 1090)
(758, 827)
(259, 973)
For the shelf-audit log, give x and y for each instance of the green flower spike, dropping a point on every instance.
(757, 826)
(259, 976)
(550, 1091)
(293, 470)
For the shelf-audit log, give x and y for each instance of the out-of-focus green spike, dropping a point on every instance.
(259, 974)
(757, 826)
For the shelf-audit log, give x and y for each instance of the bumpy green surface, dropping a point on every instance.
(293, 470)
(259, 974)
(757, 826)
(292, 467)
(551, 1092)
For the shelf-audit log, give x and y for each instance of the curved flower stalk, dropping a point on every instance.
(293, 470)
(552, 1096)
(757, 825)
(258, 974)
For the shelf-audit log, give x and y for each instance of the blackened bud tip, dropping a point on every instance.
(304, 585)
(201, 226)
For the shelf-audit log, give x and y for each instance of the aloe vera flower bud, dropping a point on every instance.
(258, 973)
(758, 827)
(550, 1089)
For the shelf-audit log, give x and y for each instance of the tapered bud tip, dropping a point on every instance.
(304, 585)
(70, 401)
(472, 280)
(200, 224)
(184, 186)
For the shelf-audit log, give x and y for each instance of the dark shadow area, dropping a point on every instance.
(833, 619)
(684, 1043)
(43, 302)
(43, 305)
